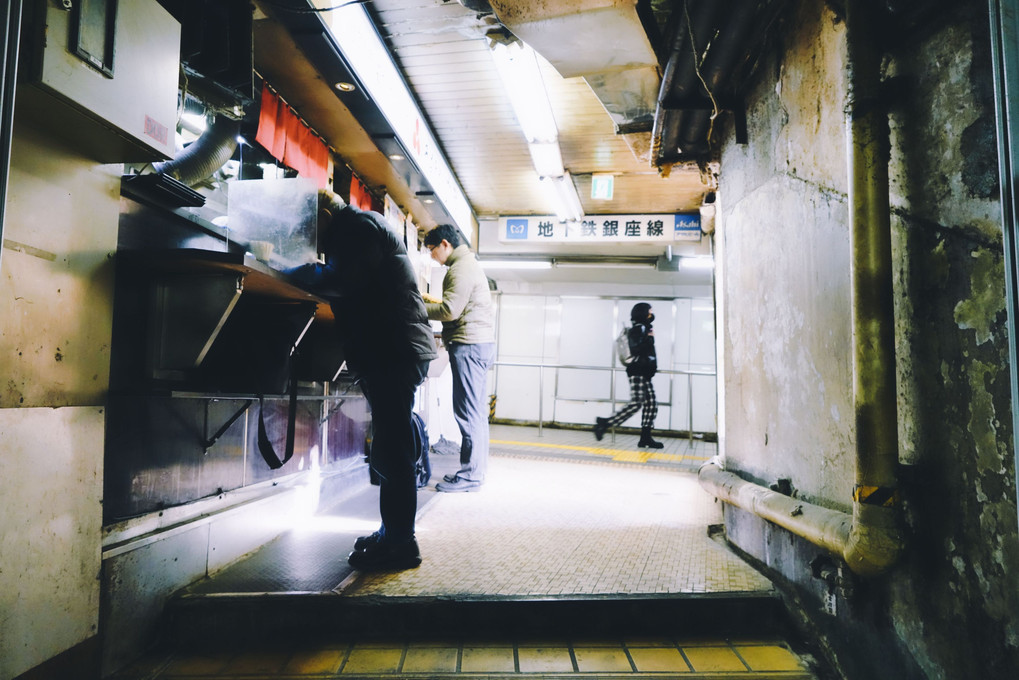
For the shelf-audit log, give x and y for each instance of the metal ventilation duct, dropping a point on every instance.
(603, 41)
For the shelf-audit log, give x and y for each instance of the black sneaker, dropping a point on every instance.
(363, 542)
(386, 556)
(600, 425)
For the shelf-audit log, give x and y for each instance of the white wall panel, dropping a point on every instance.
(681, 358)
(521, 335)
(705, 403)
(587, 331)
(702, 335)
(583, 384)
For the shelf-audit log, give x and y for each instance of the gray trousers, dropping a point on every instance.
(470, 364)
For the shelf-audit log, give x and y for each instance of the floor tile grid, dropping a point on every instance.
(632, 531)
(519, 658)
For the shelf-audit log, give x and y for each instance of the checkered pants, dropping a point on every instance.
(642, 393)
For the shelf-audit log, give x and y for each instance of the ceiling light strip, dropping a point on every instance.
(363, 49)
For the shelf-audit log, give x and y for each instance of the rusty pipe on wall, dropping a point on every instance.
(869, 540)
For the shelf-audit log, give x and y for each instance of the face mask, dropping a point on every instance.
(650, 318)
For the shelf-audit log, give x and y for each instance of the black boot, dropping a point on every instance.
(646, 440)
(600, 425)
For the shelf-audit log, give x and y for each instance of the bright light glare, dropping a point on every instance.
(516, 264)
(195, 121)
(547, 159)
(518, 69)
(563, 194)
(697, 263)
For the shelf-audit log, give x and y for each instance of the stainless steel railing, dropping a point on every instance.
(541, 366)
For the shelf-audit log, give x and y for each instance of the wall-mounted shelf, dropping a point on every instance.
(223, 321)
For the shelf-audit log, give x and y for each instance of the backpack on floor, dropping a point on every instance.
(423, 468)
(623, 352)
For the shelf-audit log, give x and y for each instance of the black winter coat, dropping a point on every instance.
(642, 348)
(372, 289)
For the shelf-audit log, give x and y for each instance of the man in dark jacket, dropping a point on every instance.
(641, 337)
(388, 344)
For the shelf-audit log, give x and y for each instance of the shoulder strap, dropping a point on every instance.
(264, 445)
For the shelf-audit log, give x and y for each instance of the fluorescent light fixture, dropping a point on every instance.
(697, 262)
(564, 197)
(548, 161)
(516, 264)
(518, 68)
(637, 264)
(363, 49)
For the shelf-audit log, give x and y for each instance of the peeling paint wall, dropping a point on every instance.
(56, 289)
(949, 609)
(786, 229)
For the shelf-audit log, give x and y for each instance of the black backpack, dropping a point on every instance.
(423, 467)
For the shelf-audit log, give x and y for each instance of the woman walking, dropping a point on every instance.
(640, 370)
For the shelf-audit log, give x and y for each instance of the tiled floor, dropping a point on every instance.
(659, 658)
(568, 527)
(560, 515)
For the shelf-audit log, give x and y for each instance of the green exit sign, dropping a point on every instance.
(601, 187)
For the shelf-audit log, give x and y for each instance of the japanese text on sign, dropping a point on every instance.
(603, 229)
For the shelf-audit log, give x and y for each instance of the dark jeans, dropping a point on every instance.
(390, 394)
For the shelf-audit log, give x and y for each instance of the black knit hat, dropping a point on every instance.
(639, 312)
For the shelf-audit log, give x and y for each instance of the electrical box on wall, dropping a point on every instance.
(102, 75)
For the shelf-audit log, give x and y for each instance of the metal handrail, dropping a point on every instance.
(541, 366)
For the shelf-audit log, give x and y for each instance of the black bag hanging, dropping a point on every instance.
(264, 445)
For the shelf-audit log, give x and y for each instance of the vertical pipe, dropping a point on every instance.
(689, 400)
(874, 393)
(541, 394)
(1004, 18)
(9, 42)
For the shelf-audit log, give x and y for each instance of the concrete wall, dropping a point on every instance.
(56, 293)
(948, 610)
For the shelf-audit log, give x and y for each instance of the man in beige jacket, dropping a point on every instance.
(468, 331)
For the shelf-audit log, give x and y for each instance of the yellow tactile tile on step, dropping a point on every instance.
(373, 660)
(487, 660)
(431, 659)
(602, 660)
(713, 659)
(658, 660)
(545, 660)
(769, 658)
(315, 662)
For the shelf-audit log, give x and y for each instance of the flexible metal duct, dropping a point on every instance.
(205, 155)
(870, 539)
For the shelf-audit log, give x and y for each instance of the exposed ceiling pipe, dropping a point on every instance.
(679, 80)
(728, 46)
(205, 155)
(869, 540)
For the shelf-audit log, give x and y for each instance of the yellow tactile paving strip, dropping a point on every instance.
(621, 455)
(682, 452)
(569, 528)
(639, 658)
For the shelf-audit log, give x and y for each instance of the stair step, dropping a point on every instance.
(250, 618)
